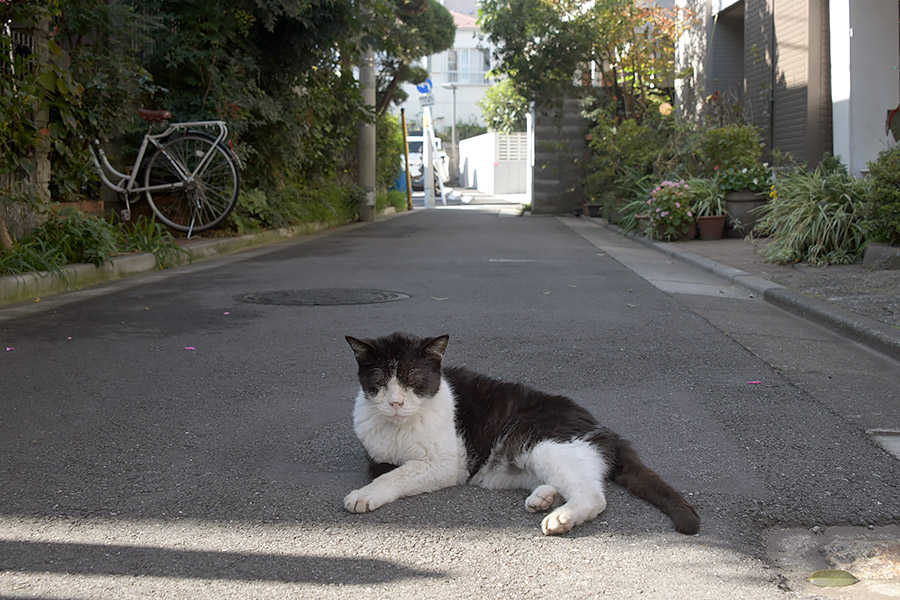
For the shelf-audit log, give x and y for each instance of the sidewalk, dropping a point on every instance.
(854, 300)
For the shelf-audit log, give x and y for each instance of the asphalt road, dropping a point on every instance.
(159, 438)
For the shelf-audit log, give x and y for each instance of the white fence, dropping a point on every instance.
(494, 163)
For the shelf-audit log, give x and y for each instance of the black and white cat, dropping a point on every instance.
(425, 427)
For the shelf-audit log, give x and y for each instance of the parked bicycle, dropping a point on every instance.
(190, 178)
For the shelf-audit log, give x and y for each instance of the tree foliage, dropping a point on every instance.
(503, 108)
(413, 30)
(544, 47)
(279, 72)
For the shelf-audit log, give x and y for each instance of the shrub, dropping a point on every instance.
(814, 217)
(146, 235)
(669, 210)
(882, 212)
(82, 238)
(623, 151)
(756, 178)
(70, 236)
(389, 142)
(395, 198)
(737, 146)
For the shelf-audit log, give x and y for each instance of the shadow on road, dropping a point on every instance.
(103, 559)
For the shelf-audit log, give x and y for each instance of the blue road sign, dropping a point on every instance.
(425, 87)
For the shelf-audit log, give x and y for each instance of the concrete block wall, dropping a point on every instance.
(561, 158)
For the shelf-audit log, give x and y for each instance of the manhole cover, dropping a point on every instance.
(321, 297)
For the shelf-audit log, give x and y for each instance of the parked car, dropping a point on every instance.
(416, 143)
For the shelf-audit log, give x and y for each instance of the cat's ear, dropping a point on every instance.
(434, 348)
(361, 348)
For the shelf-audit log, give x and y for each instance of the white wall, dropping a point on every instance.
(864, 77)
(690, 57)
(494, 163)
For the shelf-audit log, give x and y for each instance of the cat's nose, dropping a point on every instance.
(396, 404)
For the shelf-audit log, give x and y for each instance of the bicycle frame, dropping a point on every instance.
(126, 182)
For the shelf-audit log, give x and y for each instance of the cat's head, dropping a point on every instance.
(399, 373)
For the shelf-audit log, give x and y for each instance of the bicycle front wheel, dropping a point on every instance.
(203, 199)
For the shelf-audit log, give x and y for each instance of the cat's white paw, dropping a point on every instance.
(541, 498)
(364, 500)
(559, 521)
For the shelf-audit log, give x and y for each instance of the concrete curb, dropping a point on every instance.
(877, 336)
(28, 286)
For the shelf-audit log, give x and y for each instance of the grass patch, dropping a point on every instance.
(71, 236)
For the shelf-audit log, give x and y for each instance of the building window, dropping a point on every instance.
(467, 66)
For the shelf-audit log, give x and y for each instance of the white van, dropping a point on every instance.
(416, 142)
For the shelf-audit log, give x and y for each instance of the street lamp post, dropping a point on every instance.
(454, 163)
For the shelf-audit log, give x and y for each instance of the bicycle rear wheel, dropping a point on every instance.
(202, 202)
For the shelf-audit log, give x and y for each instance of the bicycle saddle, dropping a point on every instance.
(154, 115)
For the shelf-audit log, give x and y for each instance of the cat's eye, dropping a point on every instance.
(413, 377)
(377, 378)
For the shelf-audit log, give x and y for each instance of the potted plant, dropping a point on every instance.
(592, 208)
(745, 189)
(669, 212)
(708, 202)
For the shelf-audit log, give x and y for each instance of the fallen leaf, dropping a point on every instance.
(37, 299)
(189, 348)
(546, 293)
(573, 285)
(832, 578)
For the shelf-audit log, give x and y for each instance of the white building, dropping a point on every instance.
(465, 65)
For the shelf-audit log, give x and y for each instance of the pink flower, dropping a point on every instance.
(678, 205)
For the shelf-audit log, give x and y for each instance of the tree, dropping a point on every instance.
(537, 44)
(545, 47)
(413, 29)
(279, 72)
(503, 108)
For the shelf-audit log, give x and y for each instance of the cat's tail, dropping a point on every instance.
(632, 474)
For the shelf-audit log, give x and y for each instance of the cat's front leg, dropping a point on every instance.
(409, 479)
(367, 499)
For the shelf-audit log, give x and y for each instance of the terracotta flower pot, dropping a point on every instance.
(711, 227)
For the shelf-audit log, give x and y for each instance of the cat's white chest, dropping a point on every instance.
(428, 436)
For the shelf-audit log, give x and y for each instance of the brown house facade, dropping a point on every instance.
(816, 76)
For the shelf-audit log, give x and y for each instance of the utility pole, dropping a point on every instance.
(409, 204)
(366, 149)
(454, 162)
(428, 157)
